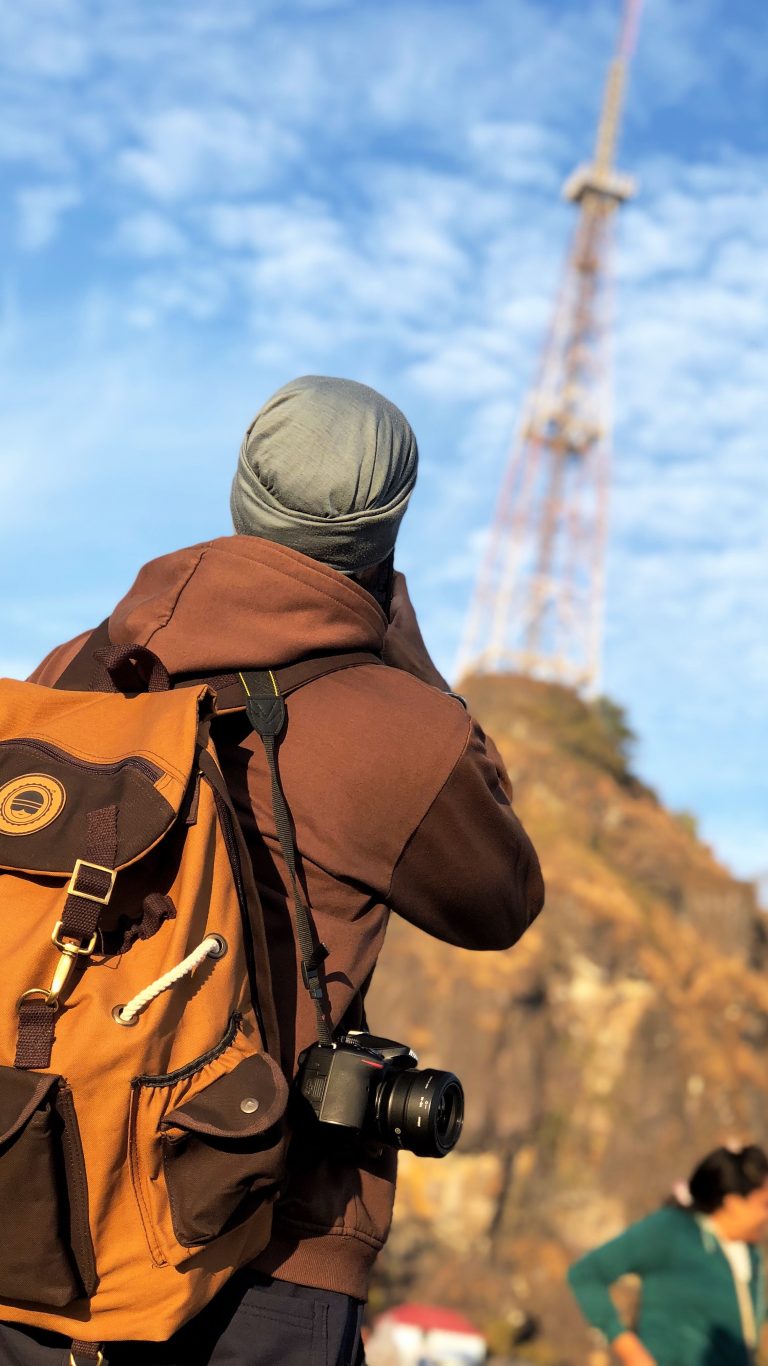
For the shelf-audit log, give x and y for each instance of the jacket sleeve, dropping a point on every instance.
(642, 1248)
(469, 874)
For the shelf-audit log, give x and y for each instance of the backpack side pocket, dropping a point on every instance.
(47, 1254)
(207, 1151)
(224, 1150)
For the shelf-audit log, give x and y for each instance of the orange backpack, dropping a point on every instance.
(142, 1134)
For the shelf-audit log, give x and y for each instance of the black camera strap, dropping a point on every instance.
(265, 708)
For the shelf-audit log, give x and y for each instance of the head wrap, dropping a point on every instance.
(327, 467)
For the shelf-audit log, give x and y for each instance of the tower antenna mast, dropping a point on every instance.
(538, 603)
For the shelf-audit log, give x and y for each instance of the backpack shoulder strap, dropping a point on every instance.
(87, 671)
(230, 695)
(80, 673)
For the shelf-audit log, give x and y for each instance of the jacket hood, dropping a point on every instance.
(243, 602)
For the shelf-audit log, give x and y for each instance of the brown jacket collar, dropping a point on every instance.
(239, 601)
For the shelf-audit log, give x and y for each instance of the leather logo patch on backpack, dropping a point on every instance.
(29, 803)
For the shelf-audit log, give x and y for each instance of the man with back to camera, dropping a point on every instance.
(399, 802)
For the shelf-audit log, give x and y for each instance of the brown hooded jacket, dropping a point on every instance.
(400, 804)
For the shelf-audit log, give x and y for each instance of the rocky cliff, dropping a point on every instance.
(623, 1037)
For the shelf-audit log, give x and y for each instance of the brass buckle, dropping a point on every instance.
(73, 1362)
(70, 952)
(66, 945)
(88, 896)
(48, 996)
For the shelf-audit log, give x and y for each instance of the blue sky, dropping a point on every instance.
(203, 200)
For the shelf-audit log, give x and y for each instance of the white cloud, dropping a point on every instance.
(148, 235)
(674, 48)
(522, 153)
(197, 291)
(40, 210)
(45, 39)
(183, 152)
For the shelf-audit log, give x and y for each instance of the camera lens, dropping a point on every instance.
(422, 1111)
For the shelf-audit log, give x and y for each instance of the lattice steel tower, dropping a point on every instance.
(538, 603)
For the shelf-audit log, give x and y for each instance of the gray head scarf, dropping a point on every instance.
(327, 467)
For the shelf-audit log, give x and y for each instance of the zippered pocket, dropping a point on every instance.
(46, 793)
(49, 751)
(46, 1255)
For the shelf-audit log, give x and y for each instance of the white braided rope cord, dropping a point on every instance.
(211, 947)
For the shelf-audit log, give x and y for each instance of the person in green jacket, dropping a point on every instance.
(702, 1274)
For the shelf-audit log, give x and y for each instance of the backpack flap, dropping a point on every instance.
(65, 755)
(89, 783)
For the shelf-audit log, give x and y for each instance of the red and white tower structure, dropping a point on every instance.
(538, 602)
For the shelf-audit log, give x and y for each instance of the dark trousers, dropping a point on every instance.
(253, 1321)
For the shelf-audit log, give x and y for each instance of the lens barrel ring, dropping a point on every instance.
(420, 1110)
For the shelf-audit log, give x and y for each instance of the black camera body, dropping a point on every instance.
(369, 1088)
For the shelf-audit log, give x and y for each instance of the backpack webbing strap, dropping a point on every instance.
(100, 666)
(229, 688)
(82, 672)
(92, 881)
(34, 1040)
(85, 1352)
(74, 935)
(265, 709)
(123, 667)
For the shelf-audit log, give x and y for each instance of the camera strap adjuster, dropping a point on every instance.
(310, 974)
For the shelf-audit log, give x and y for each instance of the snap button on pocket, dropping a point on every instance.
(249, 1105)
